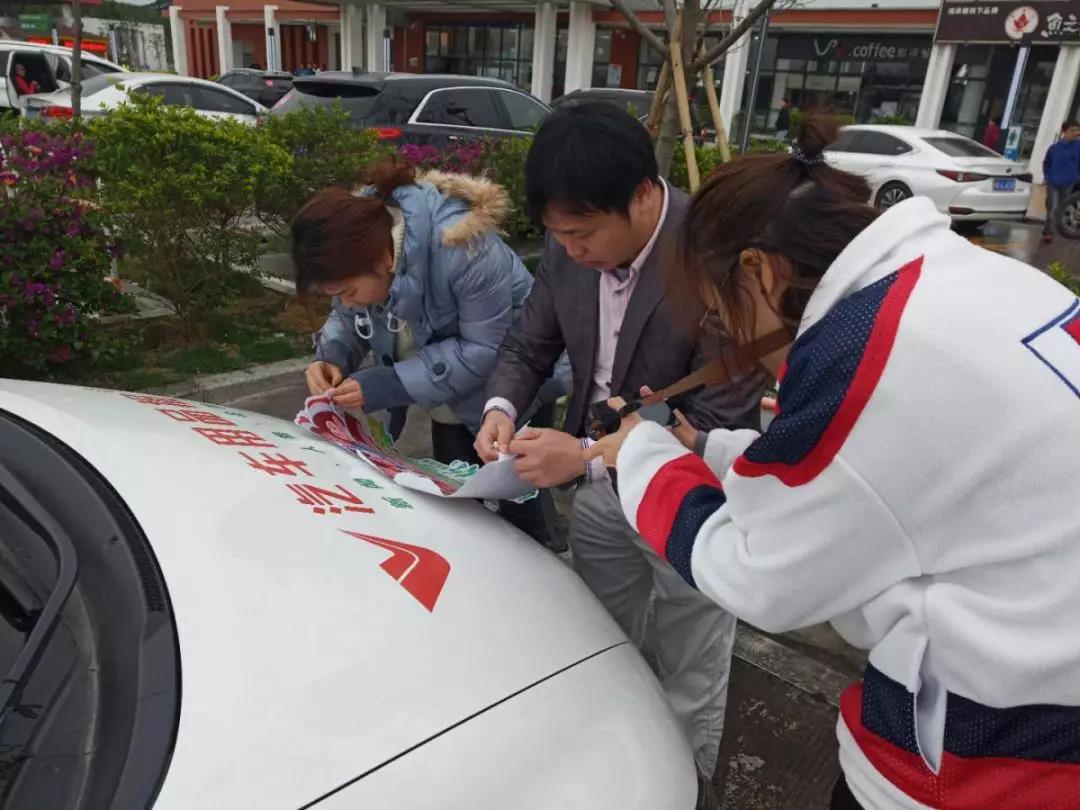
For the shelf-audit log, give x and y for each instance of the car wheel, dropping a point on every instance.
(1069, 218)
(891, 194)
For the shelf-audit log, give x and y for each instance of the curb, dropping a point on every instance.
(811, 677)
(219, 388)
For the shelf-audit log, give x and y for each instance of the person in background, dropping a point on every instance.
(420, 278)
(591, 180)
(878, 499)
(256, 66)
(1061, 170)
(783, 120)
(23, 86)
(992, 134)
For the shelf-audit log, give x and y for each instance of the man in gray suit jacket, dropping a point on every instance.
(592, 182)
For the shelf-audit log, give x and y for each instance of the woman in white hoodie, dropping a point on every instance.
(917, 488)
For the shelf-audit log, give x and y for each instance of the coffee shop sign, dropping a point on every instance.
(872, 51)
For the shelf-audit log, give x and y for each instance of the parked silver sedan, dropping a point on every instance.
(103, 93)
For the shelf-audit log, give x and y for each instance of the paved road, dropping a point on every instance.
(1024, 242)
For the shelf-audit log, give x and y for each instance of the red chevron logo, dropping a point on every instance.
(420, 571)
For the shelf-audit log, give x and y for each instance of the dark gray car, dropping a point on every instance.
(264, 86)
(421, 109)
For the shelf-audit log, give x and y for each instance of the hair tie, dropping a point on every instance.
(803, 159)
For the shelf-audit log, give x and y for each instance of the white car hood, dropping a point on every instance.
(304, 662)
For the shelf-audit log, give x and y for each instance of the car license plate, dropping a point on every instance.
(1005, 184)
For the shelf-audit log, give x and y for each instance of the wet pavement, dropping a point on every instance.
(1023, 241)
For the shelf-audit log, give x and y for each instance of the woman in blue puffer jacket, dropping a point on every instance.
(419, 277)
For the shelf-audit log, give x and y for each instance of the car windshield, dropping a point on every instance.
(86, 633)
(358, 100)
(961, 147)
(96, 84)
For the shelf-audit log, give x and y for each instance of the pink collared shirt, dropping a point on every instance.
(616, 287)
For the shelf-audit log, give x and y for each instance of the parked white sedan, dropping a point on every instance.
(206, 608)
(963, 178)
(103, 93)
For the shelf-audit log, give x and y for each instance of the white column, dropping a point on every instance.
(580, 47)
(1056, 110)
(735, 62)
(936, 86)
(224, 39)
(544, 35)
(272, 32)
(352, 37)
(178, 31)
(376, 29)
(331, 46)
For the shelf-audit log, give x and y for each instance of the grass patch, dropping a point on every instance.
(260, 326)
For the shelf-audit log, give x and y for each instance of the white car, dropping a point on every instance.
(208, 608)
(964, 179)
(103, 93)
(48, 66)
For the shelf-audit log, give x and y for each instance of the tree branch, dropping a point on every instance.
(669, 13)
(736, 33)
(643, 31)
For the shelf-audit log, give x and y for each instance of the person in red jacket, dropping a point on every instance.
(23, 86)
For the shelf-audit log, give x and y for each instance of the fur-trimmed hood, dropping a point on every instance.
(488, 205)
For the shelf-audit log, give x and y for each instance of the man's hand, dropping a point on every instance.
(494, 436)
(321, 376)
(348, 395)
(608, 447)
(546, 457)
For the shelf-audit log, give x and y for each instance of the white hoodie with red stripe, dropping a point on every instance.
(920, 489)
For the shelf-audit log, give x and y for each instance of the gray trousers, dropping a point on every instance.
(692, 635)
(1054, 197)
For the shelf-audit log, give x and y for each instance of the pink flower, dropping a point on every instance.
(57, 260)
(61, 355)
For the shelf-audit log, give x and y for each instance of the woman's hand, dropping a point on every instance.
(321, 376)
(348, 395)
(608, 447)
(682, 430)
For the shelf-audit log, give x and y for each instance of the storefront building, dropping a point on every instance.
(869, 62)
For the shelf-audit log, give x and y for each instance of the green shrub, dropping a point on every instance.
(1058, 273)
(180, 189)
(501, 160)
(895, 120)
(54, 254)
(326, 151)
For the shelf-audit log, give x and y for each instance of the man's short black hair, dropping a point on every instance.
(585, 157)
(1070, 124)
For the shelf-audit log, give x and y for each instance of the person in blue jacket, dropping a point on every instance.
(1061, 168)
(420, 278)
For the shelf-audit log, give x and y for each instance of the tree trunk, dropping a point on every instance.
(76, 61)
(669, 133)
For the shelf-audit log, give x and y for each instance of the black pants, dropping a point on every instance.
(842, 798)
(535, 517)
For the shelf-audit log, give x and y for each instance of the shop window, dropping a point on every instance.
(495, 51)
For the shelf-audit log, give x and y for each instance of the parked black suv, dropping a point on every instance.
(264, 86)
(421, 109)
